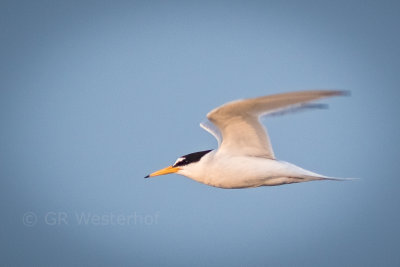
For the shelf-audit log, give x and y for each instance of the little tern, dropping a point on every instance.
(245, 157)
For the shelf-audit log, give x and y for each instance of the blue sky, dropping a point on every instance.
(95, 95)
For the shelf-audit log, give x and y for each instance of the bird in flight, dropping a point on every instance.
(245, 157)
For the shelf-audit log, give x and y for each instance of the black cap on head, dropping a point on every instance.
(190, 158)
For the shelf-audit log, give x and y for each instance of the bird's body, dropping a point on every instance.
(227, 171)
(245, 157)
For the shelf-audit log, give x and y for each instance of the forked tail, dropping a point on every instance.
(319, 178)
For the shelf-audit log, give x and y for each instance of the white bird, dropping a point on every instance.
(245, 157)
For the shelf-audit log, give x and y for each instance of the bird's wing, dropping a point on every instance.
(239, 126)
(212, 129)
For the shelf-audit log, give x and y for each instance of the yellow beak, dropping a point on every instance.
(167, 170)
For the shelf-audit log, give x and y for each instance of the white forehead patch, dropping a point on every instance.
(178, 160)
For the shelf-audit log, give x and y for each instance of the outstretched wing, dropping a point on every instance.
(238, 121)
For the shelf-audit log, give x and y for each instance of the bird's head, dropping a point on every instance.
(181, 164)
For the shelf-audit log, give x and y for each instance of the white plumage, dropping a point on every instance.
(245, 157)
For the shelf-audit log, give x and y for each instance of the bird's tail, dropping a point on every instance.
(306, 175)
(316, 178)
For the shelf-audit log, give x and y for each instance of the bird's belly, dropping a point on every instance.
(244, 172)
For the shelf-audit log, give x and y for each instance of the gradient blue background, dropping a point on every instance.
(97, 94)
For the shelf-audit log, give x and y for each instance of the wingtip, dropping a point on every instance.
(147, 176)
(335, 92)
